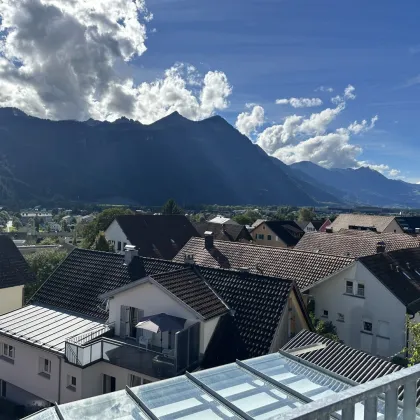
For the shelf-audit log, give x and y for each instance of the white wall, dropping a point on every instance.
(206, 332)
(11, 298)
(24, 373)
(393, 227)
(378, 306)
(116, 234)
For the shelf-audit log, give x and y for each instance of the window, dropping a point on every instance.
(119, 246)
(134, 380)
(340, 317)
(108, 384)
(325, 313)
(8, 351)
(360, 289)
(268, 237)
(71, 382)
(367, 326)
(349, 287)
(260, 236)
(45, 367)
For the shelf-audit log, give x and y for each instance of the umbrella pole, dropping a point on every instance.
(161, 345)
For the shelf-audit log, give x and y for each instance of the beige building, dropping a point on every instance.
(282, 234)
(381, 224)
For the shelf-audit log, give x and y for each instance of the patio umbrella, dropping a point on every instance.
(160, 323)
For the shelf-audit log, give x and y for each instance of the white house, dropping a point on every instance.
(159, 236)
(90, 329)
(14, 274)
(369, 300)
(223, 220)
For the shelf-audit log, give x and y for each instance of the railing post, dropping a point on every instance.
(391, 403)
(371, 408)
(348, 412)
(410, 396)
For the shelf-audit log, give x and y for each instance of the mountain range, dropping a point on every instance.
(203, 162)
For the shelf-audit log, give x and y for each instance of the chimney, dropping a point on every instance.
(130, 252)
(208, 240)
(380, 247)
(328, 229)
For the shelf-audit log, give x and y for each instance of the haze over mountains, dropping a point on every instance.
(202, 162)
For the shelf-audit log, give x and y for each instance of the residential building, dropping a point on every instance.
(225, 232)
(305, 268)
(381, 224)
(369, 300)
(314, 225)
(159, 236)
(355, 243)
(221, 220)
(87, 330)
(32, 214)
(14, 274)
(275, 386)
(283, 234)
(409, 224)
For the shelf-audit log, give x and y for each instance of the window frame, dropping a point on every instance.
(360, 286)
(6, 351)
(45, 367)
(340, 317)
(365, 322)
(348, 292)
(268, 237)
(119, 246)
(325, 313)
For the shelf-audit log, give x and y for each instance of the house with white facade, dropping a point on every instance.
(14, 274)
(314, 225)
(104, 321)
(157, 236)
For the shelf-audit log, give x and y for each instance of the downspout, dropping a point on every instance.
(59, 379)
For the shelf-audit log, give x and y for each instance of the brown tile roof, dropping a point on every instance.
(353, 244)
(189, 287)
(399, 271)
(305, 268)
(343, 221)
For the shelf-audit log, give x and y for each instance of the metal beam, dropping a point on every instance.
(140, 403)
(58, 412)
(298, 351)
(218, 397)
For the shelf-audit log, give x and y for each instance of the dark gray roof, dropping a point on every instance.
(354, 243)
(257, 301)
(226, 232)
(408, 224)
(305, 268)
(191, 288)
(14, 270)
(287, 230)
(353, 364)
(399, 271)
(157, 236)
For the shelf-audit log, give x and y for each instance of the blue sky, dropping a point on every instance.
(272, 49)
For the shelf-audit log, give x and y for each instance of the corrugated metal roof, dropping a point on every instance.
(44, 327)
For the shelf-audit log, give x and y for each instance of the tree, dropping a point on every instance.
(247, 218)
(16, 222)
(42, 264)
(36, 223)
(413, 349)
(90, 231)
(101, 244)
(306, 215)
(65, 226)
(324, 328)
(50, 240)
(170, 207)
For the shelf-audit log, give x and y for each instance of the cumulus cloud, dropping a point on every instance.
(381, 168)
(324, 89)
(311, 137)
(300, 102)
(60, 59)
(247, 122)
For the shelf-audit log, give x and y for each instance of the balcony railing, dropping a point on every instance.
(377, 396)
(93, 346)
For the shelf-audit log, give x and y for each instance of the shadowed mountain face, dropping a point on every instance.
(361, 186)
(194, 162)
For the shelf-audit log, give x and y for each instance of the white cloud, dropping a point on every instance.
(300, 102)
(358, 128)
(60, 59)
(324, 89)
(248, 122)
(381, 168)
(312, 138)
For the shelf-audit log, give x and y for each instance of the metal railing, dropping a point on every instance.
(377, 396)
(90, 335)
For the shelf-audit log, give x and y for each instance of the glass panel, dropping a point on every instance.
(179, 398)
(181, 340)
(194, 344)
(48, 414)
(96, 351)
(246, 391)
(116, 405)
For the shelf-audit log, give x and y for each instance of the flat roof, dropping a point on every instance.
(44, 327)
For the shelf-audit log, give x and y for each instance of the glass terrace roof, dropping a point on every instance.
(262, 388)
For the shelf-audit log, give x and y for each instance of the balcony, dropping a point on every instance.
(102, 345)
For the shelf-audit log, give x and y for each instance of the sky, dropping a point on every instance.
(334, 82)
